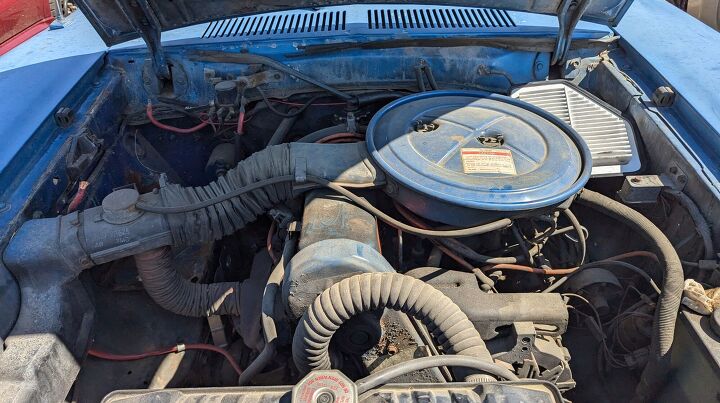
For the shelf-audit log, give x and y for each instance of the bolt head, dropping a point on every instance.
(325, 397)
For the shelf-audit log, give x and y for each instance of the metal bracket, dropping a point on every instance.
(568, 16)
(675, 177)
(148, 26)
(253, 80)
(84, 153)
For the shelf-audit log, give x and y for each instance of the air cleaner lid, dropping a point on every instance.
(478, 150)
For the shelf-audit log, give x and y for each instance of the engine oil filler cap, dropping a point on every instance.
(466, 157)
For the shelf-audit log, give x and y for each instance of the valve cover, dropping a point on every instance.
(464, 158)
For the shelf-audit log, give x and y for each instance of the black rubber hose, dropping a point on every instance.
(657, 368)
(177, 294)
(582, 242)
(373, 97)
(294, 113)
(268, 317)
(282, 131)
(451, 233)
(386, 375)
(430, 77)
(701, 225)
(369, 292)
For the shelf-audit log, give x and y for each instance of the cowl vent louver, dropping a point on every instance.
(438, 18)
(361, 19)
(277, 24)
(608, 135)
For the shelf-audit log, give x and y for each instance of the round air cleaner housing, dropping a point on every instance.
(465, 157)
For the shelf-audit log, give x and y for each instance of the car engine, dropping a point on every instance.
(332, 246)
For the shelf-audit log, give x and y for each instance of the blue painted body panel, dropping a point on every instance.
(667, 47)
(31, 137)
(30, 95)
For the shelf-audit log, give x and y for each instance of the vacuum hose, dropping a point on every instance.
(672, 287)
(372, 291)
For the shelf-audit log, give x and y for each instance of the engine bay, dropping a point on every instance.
(284, 237)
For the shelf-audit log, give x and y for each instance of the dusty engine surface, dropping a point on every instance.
(425, 240)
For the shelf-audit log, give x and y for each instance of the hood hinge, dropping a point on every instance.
(569, 14)
(148, 26)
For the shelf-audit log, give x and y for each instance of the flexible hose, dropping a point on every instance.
(582, 242)
(210, 212)
(186, 208)
(451, 233)
(668, 304)
(268, 319)
(371, 291)
(282, 131)
(452, 244)
(386, 375)
(177, 294)
(701, 225)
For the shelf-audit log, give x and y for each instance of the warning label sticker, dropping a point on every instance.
(487, 161)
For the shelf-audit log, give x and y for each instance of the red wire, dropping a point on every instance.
(241, 123)
(130, 357)
(559, 272)
(149, 112)
(528, 269)
(79, 196)
(195, 346)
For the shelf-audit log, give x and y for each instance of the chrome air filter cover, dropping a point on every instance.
(468, 157)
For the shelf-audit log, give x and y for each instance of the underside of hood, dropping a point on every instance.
(121, 20)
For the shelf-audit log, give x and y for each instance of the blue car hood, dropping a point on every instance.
(121, 20)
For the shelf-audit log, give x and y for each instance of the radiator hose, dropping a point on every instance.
(372, 291)
(656, 370)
